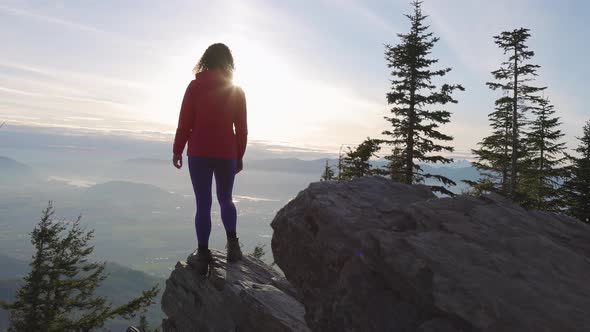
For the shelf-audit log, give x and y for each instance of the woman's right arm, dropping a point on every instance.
(185, 125)
(185, 122)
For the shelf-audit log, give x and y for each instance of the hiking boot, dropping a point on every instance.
(202, 261)
(234, 252)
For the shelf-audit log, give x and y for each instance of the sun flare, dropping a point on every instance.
(283, 102)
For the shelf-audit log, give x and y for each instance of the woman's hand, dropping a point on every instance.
(177, 161)
(239, 166)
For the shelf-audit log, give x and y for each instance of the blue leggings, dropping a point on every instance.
(201, 170)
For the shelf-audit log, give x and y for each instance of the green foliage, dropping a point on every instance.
(493, 157)
(468, 191)
(540, 185)
(395, 165)
(340, 159)
(32, 304)
(259, 251)
(509, 120)
(143, 324)
(356, 162)
(58, 294)
(576, 189)
(415, 136)
(122, 284)
(521, 159)
(328, 173)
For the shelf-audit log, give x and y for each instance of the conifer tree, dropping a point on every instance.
(59, 292)
(414, 96)
(394, 167)
(576, 189)
(356, 162)
(31, 308)
(513, 79)
(340, 159)
(143, 324)
(540, 187)
(258, 251)
(493, 157)
(328, 173)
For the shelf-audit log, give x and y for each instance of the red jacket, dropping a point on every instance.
(212, 107)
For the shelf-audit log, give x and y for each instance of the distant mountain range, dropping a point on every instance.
(138, 169)
(13, 171)
(11, 165)
(458, 171)
(295, 165)
(288, 165)
(125, 191)
(456, 174)
(279, 169)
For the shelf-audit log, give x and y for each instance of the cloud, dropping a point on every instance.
(20, 92)
(370, 16)
(142, 142)
(85, 118)
(114, 38)
(49, 19)
(63, 97)
(72, 76)
(332, 65)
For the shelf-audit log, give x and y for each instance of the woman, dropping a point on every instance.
(212, 107)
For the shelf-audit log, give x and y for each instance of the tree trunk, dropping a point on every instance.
(504, 163)
(410, 147)
(513, 170)
(540, 194)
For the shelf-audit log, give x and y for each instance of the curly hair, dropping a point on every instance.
(216, 56)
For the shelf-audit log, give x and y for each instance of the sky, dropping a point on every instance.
(314, 72)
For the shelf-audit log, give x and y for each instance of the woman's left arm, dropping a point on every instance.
(241, 125)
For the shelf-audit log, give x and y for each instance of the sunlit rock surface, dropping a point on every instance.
(372, 255)
(244, 296)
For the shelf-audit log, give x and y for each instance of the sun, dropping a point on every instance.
(237, 79)
(276, 92)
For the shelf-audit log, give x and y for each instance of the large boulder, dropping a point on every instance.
(244, 296)
(373, 255)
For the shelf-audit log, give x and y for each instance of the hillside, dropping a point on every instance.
(122, 285)
(127, 192)
(14, 171)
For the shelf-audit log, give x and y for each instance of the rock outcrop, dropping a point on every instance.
(243, 296)
(372, 255)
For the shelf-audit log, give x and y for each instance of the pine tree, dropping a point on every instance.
(493, 157)
(143, 324)
(59, 292)
(258, 251)
(328, 173)
(513, 78)
(394, 167)
(30, 311)
(540, 186)
(356, 162)
(340, 159)
(415, 125)
(576, 189)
